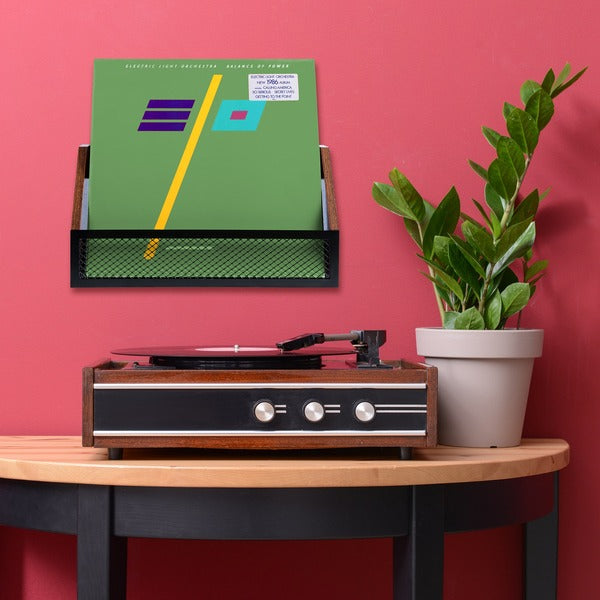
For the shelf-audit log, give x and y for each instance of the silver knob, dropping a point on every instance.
(364, 411)
(314, 411)
(264, 411)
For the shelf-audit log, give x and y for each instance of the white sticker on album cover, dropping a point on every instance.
(273, 88)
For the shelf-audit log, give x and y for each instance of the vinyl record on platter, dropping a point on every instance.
(233, 357)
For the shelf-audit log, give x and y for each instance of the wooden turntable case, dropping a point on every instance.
(110, 372)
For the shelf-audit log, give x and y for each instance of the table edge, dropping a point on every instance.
(430, 466)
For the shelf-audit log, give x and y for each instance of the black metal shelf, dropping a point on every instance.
(189, 258)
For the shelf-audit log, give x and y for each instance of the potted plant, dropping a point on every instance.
(483, 273)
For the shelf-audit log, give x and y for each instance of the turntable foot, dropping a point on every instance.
(405, 453)
(115, 453)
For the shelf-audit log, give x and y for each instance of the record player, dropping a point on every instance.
(298, 394)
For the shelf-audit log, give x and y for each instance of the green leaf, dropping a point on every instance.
(514, 298)
(468, 254)
(413, 227)
(445, 281)
(412, 198)
(526, 209)
(493, 200)
(508, 151)
(534, 269)
(413, 230)
(523, 129)
(491, 220)
(443, 220)
(503, 178)
(479, 170)
(548, 81)
(562, 76)
(480, 240)
(442, 291)
(561, 88)
(495, 225)
(509, 237)
(483, 213)
(449, 319)
(387, 196)
(541, 108)
(493, 311)
(528, 89)
(446, 296)
(449, 282)
(440, 249)
(470, 319)
(507, 109)
(463, 268)
(465, 217)
(532, 289)
(502, 281)
(517, 249)
(491, 136)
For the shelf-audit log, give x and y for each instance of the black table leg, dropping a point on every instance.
(541, 554)
(101, 557)
(419, 556)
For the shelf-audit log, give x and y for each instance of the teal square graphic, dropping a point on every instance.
(238, 115)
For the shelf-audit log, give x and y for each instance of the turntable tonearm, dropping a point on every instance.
(290, 396)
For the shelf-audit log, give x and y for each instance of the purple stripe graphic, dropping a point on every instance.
(170, 104)
(176, 115)
(161, 126)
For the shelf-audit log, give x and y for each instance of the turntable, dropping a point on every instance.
(297, 394)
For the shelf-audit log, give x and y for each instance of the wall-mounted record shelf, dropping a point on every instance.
(188, 258)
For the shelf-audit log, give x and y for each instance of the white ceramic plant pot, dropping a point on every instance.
(483, 382)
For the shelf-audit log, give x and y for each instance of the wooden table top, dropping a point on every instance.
(62, 459)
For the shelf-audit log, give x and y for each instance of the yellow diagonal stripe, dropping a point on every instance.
(184, 162)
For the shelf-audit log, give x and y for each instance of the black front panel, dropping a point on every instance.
(221, 409)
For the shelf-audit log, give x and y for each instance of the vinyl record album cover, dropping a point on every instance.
(204, 144)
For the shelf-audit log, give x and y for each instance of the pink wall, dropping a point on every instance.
(405, 84)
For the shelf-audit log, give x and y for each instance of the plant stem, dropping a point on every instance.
(440, 304)
(486, 284)
(438, 299)
(511, 203)
(521, 311)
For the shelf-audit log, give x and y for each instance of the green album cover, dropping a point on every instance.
(204, 144)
